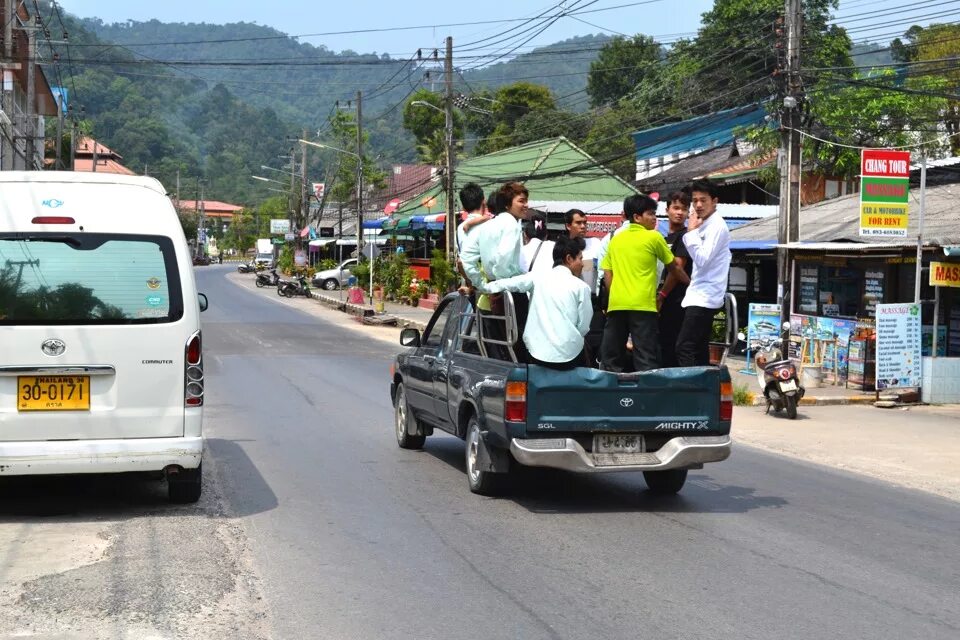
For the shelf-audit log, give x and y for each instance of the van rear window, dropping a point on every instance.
(88, 278)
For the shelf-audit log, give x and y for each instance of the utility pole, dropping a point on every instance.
(74, 130)
(360, 181)
(304, 200)
(293, 187)
(788, 227)
(59, 164)
(201, 222)
(8, 17)
(96, 158)
(451, 222)
(31, 129)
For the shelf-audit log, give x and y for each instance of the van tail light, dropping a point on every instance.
(53, 220)
(726, 401)
(515, 407)
(193, 372)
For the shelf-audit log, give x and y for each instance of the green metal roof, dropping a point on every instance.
(554, 170)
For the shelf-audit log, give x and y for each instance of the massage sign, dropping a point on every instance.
(884, 192)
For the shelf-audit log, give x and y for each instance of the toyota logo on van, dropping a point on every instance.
(53, 347)
(626, 402)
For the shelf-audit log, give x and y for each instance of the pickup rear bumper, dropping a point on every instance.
(681, 452)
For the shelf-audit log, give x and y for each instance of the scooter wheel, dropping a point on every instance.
(259, 283)
(791, 405)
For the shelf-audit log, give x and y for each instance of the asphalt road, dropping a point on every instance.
(354, 538)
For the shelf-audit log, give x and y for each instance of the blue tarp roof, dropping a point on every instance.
(703, 132)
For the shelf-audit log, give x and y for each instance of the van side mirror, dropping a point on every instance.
(204, 303)
(410, 337)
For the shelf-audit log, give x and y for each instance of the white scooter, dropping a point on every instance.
(777, 376)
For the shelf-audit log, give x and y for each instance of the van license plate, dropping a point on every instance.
(53, 393)
(610, 443)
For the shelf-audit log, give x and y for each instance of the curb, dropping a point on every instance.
(364, 311)
(808, 401)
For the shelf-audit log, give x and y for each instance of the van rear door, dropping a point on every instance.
(93, 335)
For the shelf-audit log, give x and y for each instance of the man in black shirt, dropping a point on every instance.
(671, 291)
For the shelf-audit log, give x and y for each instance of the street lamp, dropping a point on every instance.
(359, 202)
(262, 179)
(424, 103)
(286, 173)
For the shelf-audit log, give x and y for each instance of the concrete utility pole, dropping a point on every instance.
(8, 17)
(788, 227)
(59, 164)
(31, 129)
(293, 188)
(451, 222)
(304, 200)
(74, 131)
(360, 181)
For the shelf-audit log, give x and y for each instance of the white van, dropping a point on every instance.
(101, 366)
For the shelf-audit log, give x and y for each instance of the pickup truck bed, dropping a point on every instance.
(661, 422)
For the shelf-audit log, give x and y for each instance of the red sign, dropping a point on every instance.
(885, 164)
(600, 225)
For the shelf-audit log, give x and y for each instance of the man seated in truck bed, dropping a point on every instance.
(560, 307)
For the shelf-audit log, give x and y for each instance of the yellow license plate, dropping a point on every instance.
(53, 393)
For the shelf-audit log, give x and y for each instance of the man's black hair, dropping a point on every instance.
(706, 186)
(536, 226)
(635, 205)
(471, 197)
(567, 246)
(568, 216)
(682, 196)
(495, 203)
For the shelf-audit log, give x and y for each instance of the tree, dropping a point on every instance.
(509, 104)
(549, 123)
(620, 66)
(609, 140)
(428, 126)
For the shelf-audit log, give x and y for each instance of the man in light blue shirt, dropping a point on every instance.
(560, 307)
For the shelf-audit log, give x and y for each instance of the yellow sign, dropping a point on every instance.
(944, 274)
(883, 219)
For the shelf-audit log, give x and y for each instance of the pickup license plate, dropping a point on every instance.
(53, 393)
(611, 443)
(788, 385)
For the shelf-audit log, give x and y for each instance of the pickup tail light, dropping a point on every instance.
(515, 407)
(726, 401)
(193, 372)
(53, 220)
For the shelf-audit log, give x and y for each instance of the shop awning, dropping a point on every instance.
(375, 224)
(431, 222)
(321, 242)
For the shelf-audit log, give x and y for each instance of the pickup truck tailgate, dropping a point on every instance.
(669, 401)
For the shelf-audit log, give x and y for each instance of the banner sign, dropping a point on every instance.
(884, 192)
(279, 226)
(898, 345)
(599, 225)
(763, 321)
(945, 274)
(318, 190)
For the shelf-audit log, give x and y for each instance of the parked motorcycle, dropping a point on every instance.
(268, 279)
(777, 376)
(291, 288)
(246, 267)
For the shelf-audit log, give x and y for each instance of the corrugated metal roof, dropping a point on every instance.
(838, 220)
(554, 170)
(703, 132)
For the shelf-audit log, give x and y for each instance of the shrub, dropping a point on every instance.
(443, 277)
(327, 263)
(362, 273)
(742, 397)
(285, 261)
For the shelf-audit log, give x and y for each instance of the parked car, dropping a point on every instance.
(102, 367)
(201, 261)
(332, 279)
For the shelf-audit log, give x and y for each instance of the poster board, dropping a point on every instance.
(898, 345)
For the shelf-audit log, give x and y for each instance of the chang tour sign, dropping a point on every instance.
(884, 192)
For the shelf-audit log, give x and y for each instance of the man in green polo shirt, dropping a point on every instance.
(630, 273)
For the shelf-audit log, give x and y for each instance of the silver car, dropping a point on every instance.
(331, 279)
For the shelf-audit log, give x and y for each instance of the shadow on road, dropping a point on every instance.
(543, 490)
(122, 496)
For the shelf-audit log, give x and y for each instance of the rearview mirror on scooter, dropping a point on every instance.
(741, 336)
(785, 326)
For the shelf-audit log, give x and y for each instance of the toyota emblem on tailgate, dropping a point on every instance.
(626, 402)
(53, 347)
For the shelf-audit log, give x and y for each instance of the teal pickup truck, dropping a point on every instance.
(660, 422)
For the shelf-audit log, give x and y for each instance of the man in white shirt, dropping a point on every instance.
(496, 245)
(560, 307)
(708, 242)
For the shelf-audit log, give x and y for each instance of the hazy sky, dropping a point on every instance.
(655, 17)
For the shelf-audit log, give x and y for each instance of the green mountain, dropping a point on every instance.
(218, 101)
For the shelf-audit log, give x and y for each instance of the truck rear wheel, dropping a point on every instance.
(665, 482)
(402, 418)
(480, 481)
(185, 486)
